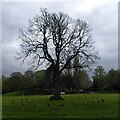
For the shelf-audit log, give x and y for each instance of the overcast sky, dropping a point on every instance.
(102, 16)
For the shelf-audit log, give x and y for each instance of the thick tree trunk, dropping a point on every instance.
(57, 78)
(56, 95)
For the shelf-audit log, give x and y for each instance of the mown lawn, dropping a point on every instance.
(73, 106)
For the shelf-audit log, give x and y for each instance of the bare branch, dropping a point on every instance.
(52, 37)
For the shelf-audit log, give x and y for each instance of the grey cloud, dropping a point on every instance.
(104, 23)
(102, 19)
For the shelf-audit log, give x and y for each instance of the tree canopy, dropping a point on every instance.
(50, 37)
(55, 39)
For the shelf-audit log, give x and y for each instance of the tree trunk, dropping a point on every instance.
(56, 95)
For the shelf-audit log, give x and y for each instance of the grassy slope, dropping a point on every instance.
(73, 106)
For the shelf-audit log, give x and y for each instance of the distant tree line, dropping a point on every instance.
(72, 81)
(42, 82)
(106, 81)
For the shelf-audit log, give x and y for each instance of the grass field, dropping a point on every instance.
(73, 106)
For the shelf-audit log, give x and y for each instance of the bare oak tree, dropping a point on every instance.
(52, 37)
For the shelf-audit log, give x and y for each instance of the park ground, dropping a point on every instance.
(73, 106)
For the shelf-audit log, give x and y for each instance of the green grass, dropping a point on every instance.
(13, 94)
(74, 106)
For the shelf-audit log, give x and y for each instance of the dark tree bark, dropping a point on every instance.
(51, 37)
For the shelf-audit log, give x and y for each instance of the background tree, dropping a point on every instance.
(99, 78)
(40, 82)
(29, 75)
(4, 84)
(68, 70)
(29, 80)
(76, 72)
(51, 36)
(83, 82)
(67, 77)
(67, 82)
(13, 82)
(113, 79)
(4, 78)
